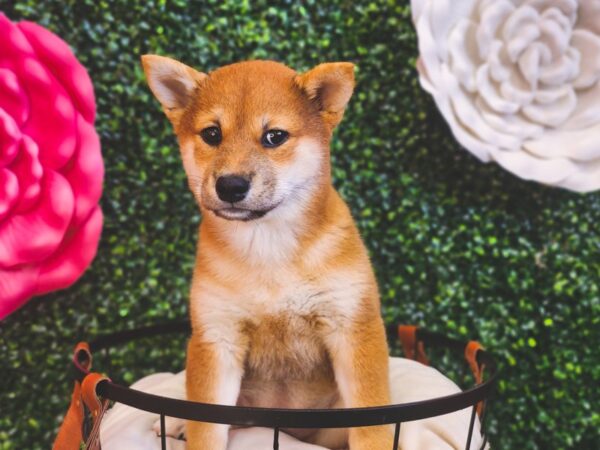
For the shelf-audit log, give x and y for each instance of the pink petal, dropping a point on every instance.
(29, 171)
(9, 192)
(73, 257)
(85, 172)
(57, 56)
(9, 138)
(12, 97)
(35, 235)
(13, 42)
(52, 119)
(16, 287)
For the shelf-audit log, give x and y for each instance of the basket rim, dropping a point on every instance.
(281, 417)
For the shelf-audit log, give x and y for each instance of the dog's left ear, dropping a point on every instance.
(331, 85)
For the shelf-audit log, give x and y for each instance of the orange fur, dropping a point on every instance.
(285, 307)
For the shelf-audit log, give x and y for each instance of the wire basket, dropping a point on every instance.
(413, 340)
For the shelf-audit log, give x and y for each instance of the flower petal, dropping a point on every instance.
(463, 135)
(29, 171)
(522, 40)
(523, 16)
(52, 120)
(588, 17)
(562, 70)
(586, 179)
(16, 287)
(57, 56)
(552, 114)
(513, 124)
(9, 192)
(9, 138)
(470, 118)
(567, 7)
(463, 53)
(12, 97)
(588, 45)
(498, 62)
(587, 110)
(86, 171)
(489, 92)
(530, 167)
(13, 42)
(493, 15)
(75, 255)
(33, 236)
(555, 37)
(580, 145)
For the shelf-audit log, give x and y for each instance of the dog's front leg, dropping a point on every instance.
(359, 355)
(213, 375)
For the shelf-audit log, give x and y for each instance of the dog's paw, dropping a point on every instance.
(174, 427)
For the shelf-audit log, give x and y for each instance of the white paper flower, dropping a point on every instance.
(519, 82)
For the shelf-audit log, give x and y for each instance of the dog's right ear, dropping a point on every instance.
(172, 83)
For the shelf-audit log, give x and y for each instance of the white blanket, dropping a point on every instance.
(127, 428)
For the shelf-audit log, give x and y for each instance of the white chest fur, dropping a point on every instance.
(286, 309)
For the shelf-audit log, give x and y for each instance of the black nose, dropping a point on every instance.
(232, 188)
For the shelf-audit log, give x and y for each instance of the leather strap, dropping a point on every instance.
(71, 435)
(471, 356)
(413, 348)
(96, 406)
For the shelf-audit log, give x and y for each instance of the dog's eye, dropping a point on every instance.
(211, 135)
(274, 138)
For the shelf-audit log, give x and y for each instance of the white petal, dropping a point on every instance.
(498, 62)
(526, 35)
(513, 124)
(428, 56)
(489, 92)
(555, 37)
(552, 114)
(581, 145)
(471, 119)
(587, 111)
(522, 16)
(416, 8)
(529, 64)
(567, 7)
(492, 16)
(588, 45)
(562, 70)
(516, 89)
(588, 16)
(463, 53)
(555, 14)
(424, 77)
(530, 167)
(463, 134)
(551, 95)
(442, 16)
(586, 179)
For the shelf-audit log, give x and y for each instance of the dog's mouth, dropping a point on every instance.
(242, 214)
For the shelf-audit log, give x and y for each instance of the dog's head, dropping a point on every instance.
(254, 135)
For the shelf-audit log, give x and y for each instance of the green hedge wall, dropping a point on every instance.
(458, 246)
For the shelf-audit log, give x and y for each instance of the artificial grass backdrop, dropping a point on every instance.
(458, 246)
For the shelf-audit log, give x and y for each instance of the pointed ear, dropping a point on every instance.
(331, 86)
(171, 82)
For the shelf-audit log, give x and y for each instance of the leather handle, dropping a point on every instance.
(413, 348)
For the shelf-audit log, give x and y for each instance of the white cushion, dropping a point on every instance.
(127, 428)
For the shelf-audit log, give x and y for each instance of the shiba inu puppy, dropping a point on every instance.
(284, 304)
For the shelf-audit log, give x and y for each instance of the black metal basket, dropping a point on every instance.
(413, 341)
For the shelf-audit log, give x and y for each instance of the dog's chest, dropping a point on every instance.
(285, 346)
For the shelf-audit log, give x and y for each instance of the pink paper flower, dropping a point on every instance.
(51, 169)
